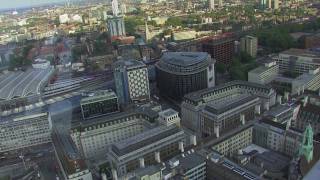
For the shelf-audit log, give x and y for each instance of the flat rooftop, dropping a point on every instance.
(190, 161)
(278, 110)
(198, 95)
(168, 112)
(143, 139)
(184, 58)
(20, 84)
(229, 104)
(301, 52)
(98, 96)
(260, 69)
(129, 64)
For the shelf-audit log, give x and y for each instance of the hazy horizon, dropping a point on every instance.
(26, 3)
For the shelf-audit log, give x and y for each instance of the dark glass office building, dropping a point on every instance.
(99, 103)
(179, 73)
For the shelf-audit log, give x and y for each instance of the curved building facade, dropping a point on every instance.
(179, 73)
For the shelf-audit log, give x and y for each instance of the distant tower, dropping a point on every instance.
(211, 4)
(147, 32)
(220, 3)
(123, 7)
(306, 148)
(115, 24)
(115, 7)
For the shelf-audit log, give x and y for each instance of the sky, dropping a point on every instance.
(5, 4)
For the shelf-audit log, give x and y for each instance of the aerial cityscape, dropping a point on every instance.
(160, 90)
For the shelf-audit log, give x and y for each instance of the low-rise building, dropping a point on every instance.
(195, 102)
(309, 81)
(24, 131)
(189, 165)
(147, 148)
(276, 136)
(264, 74)
(169, 117)
(221, 117)
(93, 137)
(282, 114)
(298, 60)
(99, 103)
(72, 166)
(233, 142)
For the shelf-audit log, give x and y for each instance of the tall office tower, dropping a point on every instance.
(132, 81)
(263, 4)
(270, 4)
(116, 26)
(276, 4)
(179, 73)
(211, 4)
(115, 7)
(221, 50)
(115, 23)
(24, 131)
(99, 103)
(249, 44)
(123, 7)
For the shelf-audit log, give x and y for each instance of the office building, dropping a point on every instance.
(281, 113)
(219, 117)
(297, 60)
(115, 24)
(221, 50)
(153, 172)
(99, 103)
(263, 4)
(211, 4)
(147, 148)
(131, 80)
(72, 166)
(230, 144)
(275, 4)
(24, 131)
(264, 74)
(195, 102)
(220, 167)
(276, 136)
(116, 27)
(179, 73)
(307, 81)
(189, 165)
(93, 137)
(169, 117)
(249, 44)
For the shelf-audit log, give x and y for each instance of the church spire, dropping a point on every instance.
(306, 147)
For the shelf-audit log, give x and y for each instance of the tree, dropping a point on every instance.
(245, 57)
(174, 21)
(237, 73)
(221, 68)
(131, 23)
